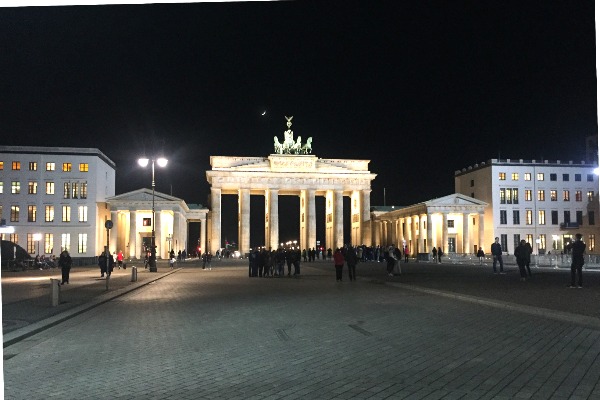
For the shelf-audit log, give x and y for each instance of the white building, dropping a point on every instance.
(55, 198)
(544, 202)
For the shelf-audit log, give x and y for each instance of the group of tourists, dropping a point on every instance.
(264, 263)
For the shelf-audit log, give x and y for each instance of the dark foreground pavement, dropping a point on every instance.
(436, 331)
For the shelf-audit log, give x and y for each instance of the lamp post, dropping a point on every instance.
(162, 162)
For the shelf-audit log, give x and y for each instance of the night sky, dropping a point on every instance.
(420, 88)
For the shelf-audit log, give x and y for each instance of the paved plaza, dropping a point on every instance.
(435, 332)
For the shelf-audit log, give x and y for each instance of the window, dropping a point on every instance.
(543, 242)
(540, 176)
(553, 177)
(16, 165)
(33, 166)
(590, 177)
(1, 187)
(82, 243)
(541, 195)
(65, 242)
(590, 195)
(50, 166)
(516, 217)
(472, 182)
(30, 244)
(504, 241)
(591, 218)
(147, 222)
(32, 188)
(66, 190)
(567, 215)
(66, 213)
(503, 217)
(14, 213)
(514, 176)
(31, 213)
(83, 190)
(450, 223)
(1, 165)
(49, 187)
(566, 196)
(579, 217)
(529, 238)
(577, 177)
(15, 187)
(541, 217)
(502, 176)
(83, 167)
(592, 242)
(578, 195)
(527, 176)
(74, 187)
(553, 195)
(528, 217)
(554, 215)
(515, 196)
(508, 196)
(565, 177)
(502, 196)
(48, 243)
(66, 167)
(49, 214)
(527, 194)
(516, 240)
(82, 212)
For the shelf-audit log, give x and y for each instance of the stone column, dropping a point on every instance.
(244, 221)
(158, 239)
(414, 224)
(338, 218)
(400, 231)
(429, 234)
(377, 228)
(394, 232)
(365, 212)
(273, 195)
(134, 252)
(114, 232)
(444, 245)
(311, 219)
(203, 244)
(481, 231)
(215, 213)
(466, 234)
(176, 238)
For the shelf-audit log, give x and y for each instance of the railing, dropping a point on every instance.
(592, 261)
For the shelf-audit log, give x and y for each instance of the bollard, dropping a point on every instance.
(55, 292)
(134, 274)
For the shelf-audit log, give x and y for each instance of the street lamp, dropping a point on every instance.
(36, 238)
(162, 162)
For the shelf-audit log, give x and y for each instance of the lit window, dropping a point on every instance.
(543, 241)
(49, 187)
(83, 213)
(509, 196)
(31, 213)
(146, 221)
(82, 243)
(553, 195)
(66, 213)
(527, 176)
(566, 196)
(83, 167)
(50, 166)
(66, 190)
(541, 195)
(15, 187)
(502, 176)
(541, 217)
(1, 187)
(30, 244)
(16, 165)
(65, 242)
(540, 176)
(590, 195)
(515, 176)
(49, 214)
(578, 195)
(14, 213)
(83, 190)
(528, 217)
(527, 194)
(66, 167)
(48, 243)
(32, 188)
(592, 242)
(1, 165)
(33, 166)
(74, 186)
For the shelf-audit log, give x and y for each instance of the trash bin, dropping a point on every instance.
(55, 292)
(134, 274)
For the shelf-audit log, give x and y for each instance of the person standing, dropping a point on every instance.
(351, 261)
(434, 254)
(497, 255)
(390, 259)
(65, 262)
(528, 261)
(480, 255)
(338, 262)
(440, 254)
(120, 259)
(405, 254)
(577, 249)
(522, 255)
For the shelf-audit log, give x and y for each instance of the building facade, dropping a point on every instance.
(544, 202)
(55, 197)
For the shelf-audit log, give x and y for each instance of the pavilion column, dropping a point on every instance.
(273, 218)
(377, 232)
(414, 223)
(429, 234)
(444, 245)
(338, 218)
(133, 250)
(176, 236)
(215, 213)
(481, 231)
(394, 232)
(401, 232)
(466, 234)
(114, 233)
(158, 240)
(244, 221)
(365, 224)
(203, 246)
(311, 219)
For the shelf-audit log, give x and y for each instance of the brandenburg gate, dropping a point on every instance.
(292, 171)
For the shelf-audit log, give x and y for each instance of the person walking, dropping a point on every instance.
(497, 255)
(405, 254)
(434, 254)
(338, 262)
(440, 254)
(480, 255)
(522, 255)
(529, 252)
(577, 249)
(351, 261)
(120, 259)
(390, 259)
(65, 262)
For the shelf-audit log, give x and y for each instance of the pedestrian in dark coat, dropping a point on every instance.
(496, 251)
(529, 251)
(522, 255)
(65, 262)
(577, 249)
(440, 254)
(351, 261)
(338, 262)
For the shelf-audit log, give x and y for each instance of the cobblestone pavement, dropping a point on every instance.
(218, 334)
